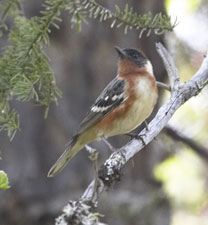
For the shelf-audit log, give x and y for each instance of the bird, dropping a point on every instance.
(124, 104)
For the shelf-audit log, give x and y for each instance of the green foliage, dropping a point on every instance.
(4, 183)
(25, 74)
(9, 120)
(8, 8)
(126, 18)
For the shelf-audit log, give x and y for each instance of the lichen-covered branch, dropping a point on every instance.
(110, 171)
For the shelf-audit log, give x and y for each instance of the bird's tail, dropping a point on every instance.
(73, 147)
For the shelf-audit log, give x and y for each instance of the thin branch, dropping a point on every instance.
(7, 9)
(93, 157)
(179, 136)
(110, 171)
(4, 14)
(44, 29)
(170, 67)
(162, 85)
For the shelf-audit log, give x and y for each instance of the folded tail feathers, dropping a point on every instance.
(70, 151)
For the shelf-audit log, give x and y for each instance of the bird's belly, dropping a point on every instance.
(135, 115)
(133, 118)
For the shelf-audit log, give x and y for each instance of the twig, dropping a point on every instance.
(94, 157)
(179, 136)
(162, 85)
(108, 144)
(170, 67)
(110, 171)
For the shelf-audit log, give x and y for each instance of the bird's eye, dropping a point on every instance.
(135, 56)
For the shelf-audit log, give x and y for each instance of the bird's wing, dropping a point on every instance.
(111, 97)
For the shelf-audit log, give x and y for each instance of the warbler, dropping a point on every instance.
(121, 107)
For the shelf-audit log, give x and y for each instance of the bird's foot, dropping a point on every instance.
(93, 153)
(138, 137)
(146, 125)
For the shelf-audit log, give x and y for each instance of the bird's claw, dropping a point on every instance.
(146, 125)
(138, 137)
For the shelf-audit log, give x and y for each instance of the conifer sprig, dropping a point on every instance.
(126, 18)
(25, 73)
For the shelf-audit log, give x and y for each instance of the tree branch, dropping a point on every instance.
(110, 171)
(178, 136)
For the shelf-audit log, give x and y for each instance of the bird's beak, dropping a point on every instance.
(120, 52)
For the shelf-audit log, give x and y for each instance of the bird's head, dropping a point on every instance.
(134, 56)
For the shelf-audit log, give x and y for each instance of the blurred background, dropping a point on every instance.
(167, 183)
